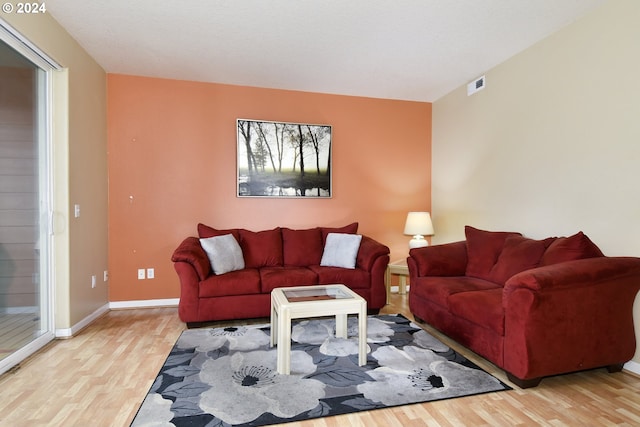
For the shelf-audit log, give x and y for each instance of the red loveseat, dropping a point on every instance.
(535, 308)
(272, 258)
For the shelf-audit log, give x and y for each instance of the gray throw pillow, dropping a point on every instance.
(341, 250)
(224, 253)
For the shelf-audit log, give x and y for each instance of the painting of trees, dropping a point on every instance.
(279, 159)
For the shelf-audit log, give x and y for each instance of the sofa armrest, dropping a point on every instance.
(191, 252)
(577, 273)
(370, 250)
(449, 259)
(570, 316)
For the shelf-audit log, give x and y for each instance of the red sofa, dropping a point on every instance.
(273, 258)
(535, 308)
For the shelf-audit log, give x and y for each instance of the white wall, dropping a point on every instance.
(551, 146)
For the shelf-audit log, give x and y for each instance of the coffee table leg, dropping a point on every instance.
(274, 325)
(341, 326)
(283, 353)
(362, 337)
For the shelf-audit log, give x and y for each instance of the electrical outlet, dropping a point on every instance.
(151, 273)
(93, 281)
(105, 276)
(141, 274)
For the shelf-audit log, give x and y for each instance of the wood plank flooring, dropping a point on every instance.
(17, 330)
(99, 378)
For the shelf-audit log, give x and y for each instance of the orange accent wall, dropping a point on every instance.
(172, 164)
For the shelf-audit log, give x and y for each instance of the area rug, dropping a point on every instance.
(227, 376)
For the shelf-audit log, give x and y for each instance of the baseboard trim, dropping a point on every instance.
(69, 332)
(115, 305)
(632, 366)
(393, 289)
(170, 302)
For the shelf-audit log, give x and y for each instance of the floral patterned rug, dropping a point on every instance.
(227, 376)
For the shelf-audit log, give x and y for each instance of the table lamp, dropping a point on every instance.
(418, 225)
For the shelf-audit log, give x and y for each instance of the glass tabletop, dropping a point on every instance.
(315, 294)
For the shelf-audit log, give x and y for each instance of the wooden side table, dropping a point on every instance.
(398, 268)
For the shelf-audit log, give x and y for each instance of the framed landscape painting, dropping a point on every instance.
(280, 159)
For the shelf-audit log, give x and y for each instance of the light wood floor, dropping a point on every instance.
(100, 377)
(17, 330)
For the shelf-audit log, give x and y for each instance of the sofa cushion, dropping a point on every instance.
(439, 289)
(241, 282)
(301, 248)
(341, 250)
(224, 253)
(518, 254)
(351, 278)
(578, 246)
(483, 250)
(282, 277)
(484, 308)
(347, 229)
(205, 231)
(262, 248)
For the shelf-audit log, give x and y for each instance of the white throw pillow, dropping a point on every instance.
(341, 250)
(224, 253)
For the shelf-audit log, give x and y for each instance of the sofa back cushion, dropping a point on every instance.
(578, 246)
(348, 229)
(483, 250)
(518, 254)
(302, 248)
(205, 231)
(262, 248)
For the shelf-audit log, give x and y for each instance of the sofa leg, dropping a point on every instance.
(373, 311)
(419, 320)
(615, 368)
(532, 382)
(191, 325)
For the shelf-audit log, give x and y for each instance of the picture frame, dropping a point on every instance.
(283, 159)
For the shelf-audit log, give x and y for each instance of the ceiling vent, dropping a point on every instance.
(476, 85)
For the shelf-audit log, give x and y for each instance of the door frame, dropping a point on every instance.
(44, 78)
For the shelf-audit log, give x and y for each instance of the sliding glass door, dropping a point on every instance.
(26, 320)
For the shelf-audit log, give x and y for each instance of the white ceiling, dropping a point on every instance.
(398, 49)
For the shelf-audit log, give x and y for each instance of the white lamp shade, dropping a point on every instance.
(418, 225)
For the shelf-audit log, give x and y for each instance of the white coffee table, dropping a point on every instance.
(315, 301)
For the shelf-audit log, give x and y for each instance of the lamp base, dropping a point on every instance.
(418, 242)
